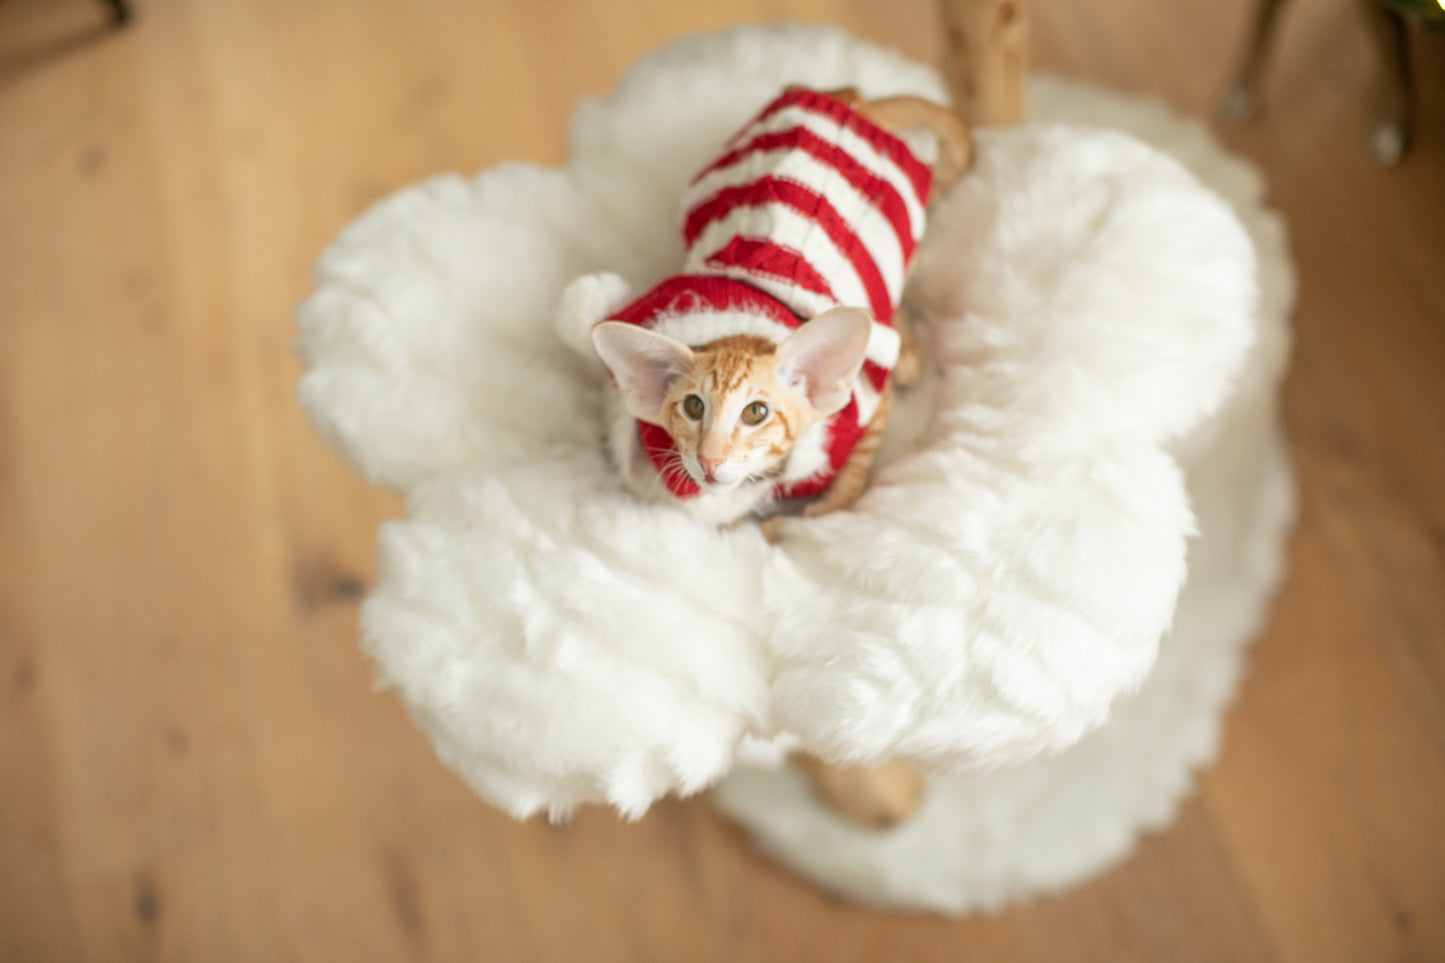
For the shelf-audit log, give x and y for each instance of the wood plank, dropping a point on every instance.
(193, 762)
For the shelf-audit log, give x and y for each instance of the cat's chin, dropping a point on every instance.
(723, 486)
(748, 479)
(719, 487)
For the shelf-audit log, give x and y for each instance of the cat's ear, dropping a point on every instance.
(821, 359)
(645, 365)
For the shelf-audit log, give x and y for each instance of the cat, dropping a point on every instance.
(764, 372)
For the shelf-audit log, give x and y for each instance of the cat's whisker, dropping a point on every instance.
(675, 468)
(676, 465)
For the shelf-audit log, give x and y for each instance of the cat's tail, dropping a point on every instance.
(955, 142)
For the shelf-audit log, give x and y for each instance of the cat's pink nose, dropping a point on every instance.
(709, 467)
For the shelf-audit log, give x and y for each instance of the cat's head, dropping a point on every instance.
(735, 407)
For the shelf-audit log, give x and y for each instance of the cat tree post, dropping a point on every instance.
(985, 56)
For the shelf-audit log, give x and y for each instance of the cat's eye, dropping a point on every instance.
(755, 413)
(692, 405)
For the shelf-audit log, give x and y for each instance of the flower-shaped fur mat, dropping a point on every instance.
(1102, 348)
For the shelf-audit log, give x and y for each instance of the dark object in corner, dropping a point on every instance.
(120, 11)
(1393, 126)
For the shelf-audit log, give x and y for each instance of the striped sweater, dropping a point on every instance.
(810, 206)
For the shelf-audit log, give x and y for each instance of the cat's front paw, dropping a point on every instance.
(909, 366)
(821, 507)
(773, 528)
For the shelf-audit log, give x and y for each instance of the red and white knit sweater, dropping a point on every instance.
(810, 206)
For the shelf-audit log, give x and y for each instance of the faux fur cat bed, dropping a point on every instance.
(1091, 349)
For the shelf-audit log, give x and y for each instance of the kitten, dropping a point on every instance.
(763, 372)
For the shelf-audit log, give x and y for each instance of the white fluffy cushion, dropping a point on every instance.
(1005, 579)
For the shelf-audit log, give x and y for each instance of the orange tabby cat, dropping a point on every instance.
(749, 409)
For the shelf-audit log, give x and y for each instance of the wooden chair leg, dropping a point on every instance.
(1394, 120)
(1241, 101)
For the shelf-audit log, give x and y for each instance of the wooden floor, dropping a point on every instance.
(193, 764)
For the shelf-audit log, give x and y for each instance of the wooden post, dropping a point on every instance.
(985, 58)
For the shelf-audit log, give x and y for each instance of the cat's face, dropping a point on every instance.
(730, 416)
(735, 407)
